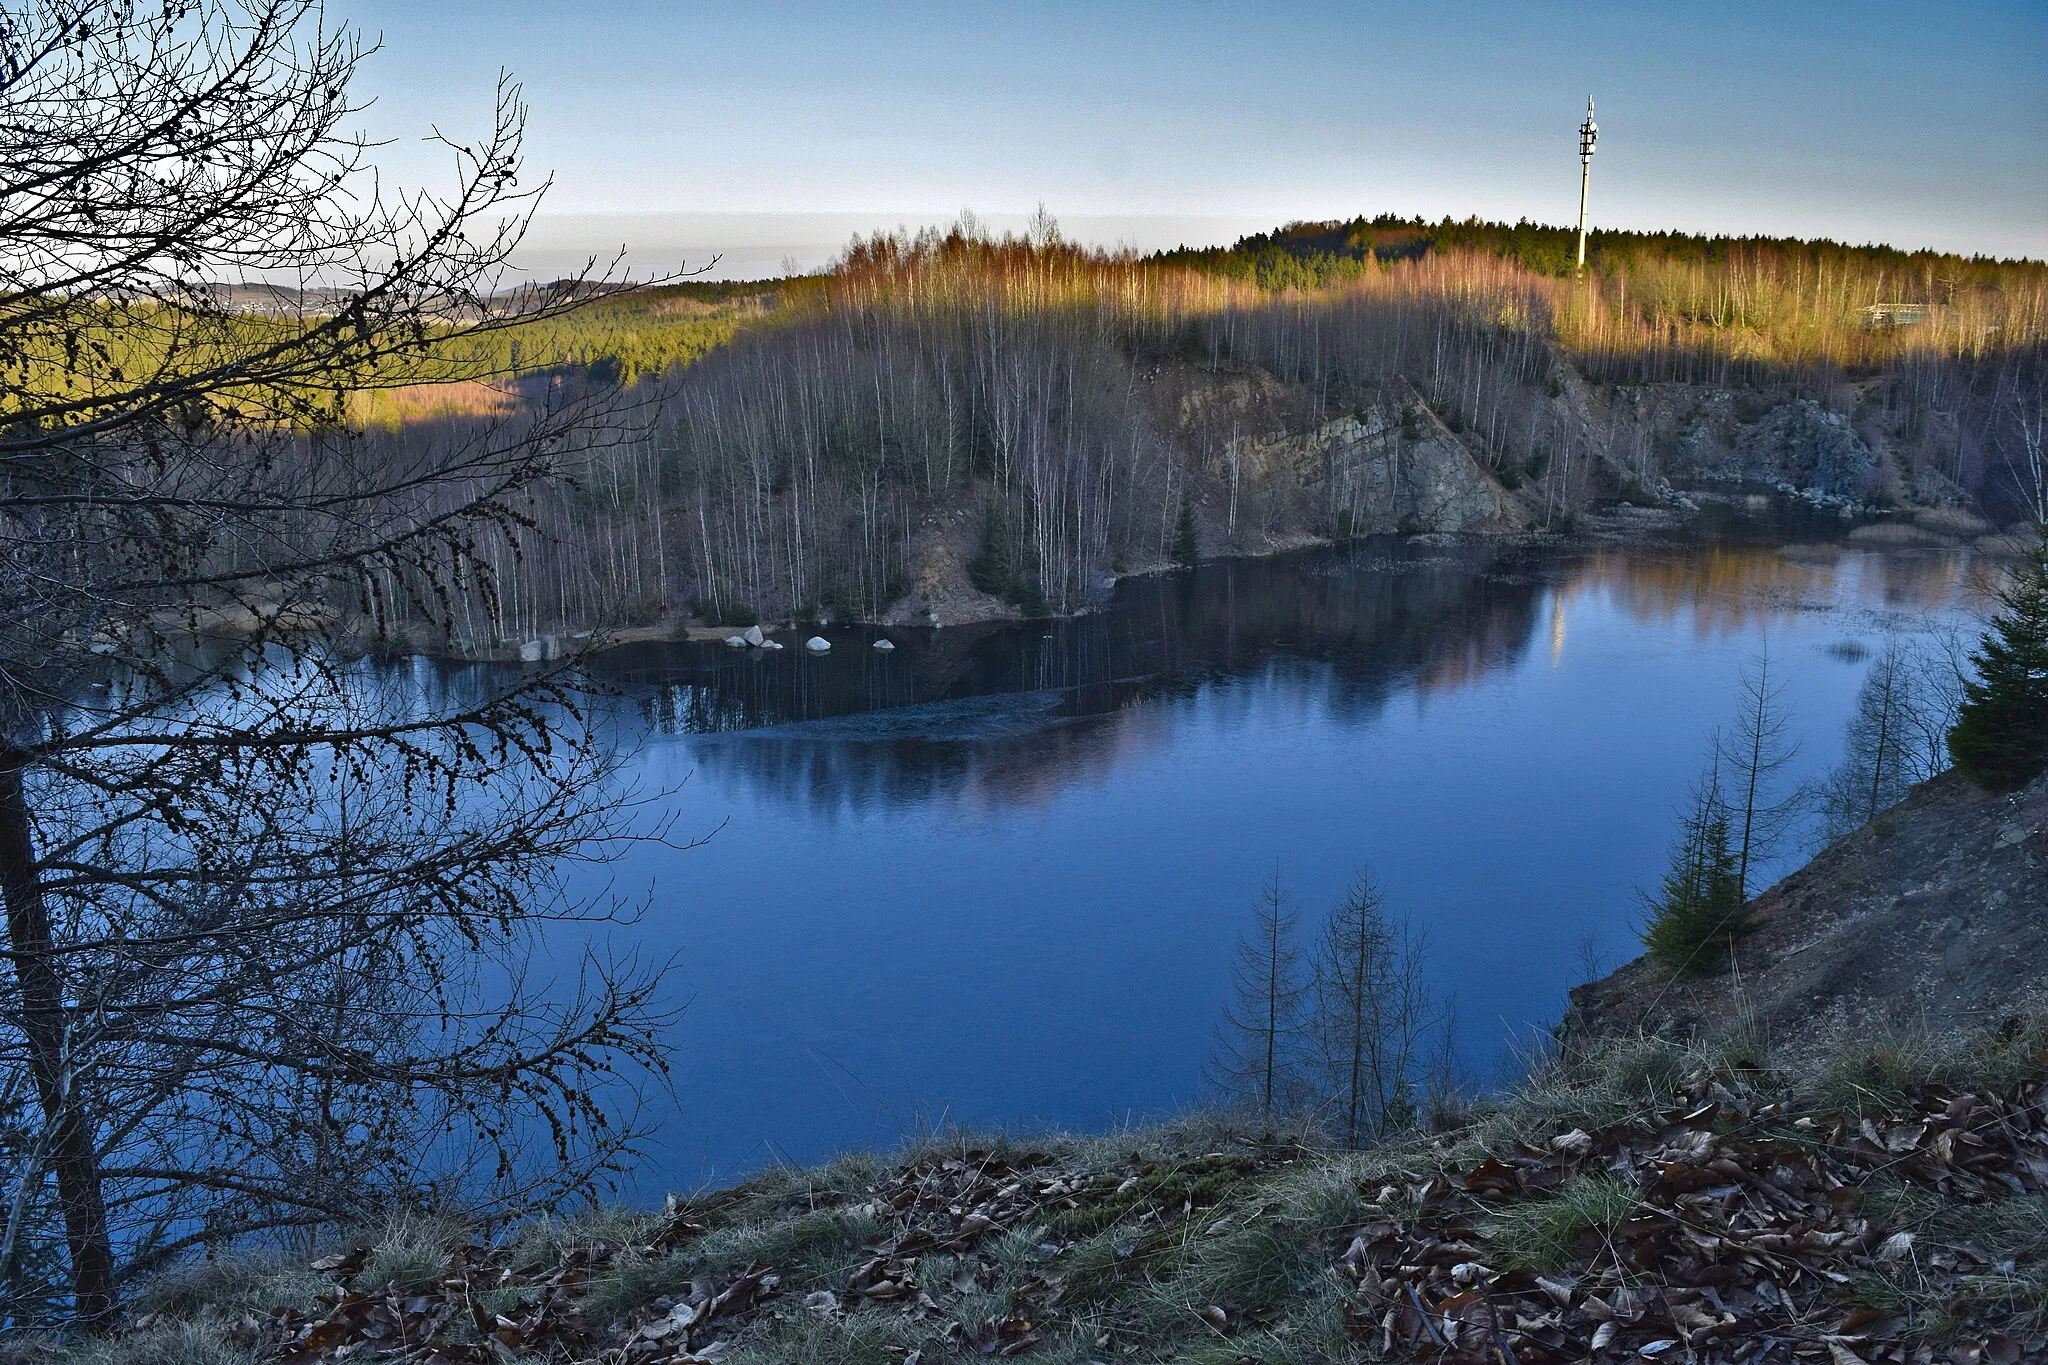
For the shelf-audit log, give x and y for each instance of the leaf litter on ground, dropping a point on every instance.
(1715, 1225)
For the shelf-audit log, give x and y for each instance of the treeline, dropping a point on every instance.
(620, 335)
(1045, 416)
(1670, 305)
(1331, 247)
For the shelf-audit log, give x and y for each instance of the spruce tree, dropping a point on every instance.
(1698, 912)
(1187, 540)
(2000, 738)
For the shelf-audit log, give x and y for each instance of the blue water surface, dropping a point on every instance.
(994, 878)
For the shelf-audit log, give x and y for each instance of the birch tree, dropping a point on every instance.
(1885, 750)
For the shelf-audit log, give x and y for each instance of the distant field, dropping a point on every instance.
(626, 336)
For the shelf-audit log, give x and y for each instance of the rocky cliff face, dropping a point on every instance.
(1931, 919)
(1387, 469)
(1808, 446)
(1385, 474)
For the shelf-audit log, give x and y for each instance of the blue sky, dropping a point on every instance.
(1917, 124)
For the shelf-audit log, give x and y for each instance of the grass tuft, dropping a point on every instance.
(1547, 1233)
(164, 1343)
(808, 1248)
(230, 1285)
(410, 1253)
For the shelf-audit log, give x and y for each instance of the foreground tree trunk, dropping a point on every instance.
(269, 921)
(55, 1067)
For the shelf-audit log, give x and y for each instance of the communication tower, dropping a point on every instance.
(1589, 133)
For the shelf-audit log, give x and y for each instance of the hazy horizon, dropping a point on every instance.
(766, 245)
(749, 246)
(1893, 124)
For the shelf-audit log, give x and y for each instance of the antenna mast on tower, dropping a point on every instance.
(1589, 133)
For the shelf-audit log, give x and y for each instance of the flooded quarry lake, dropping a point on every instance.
(994, 877)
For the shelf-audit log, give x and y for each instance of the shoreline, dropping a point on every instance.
(1615, 525)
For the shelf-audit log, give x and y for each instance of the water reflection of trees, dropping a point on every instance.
(1010, 713)
(1922, 580)
(1727, 589)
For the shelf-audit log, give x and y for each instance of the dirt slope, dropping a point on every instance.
(1932, 918)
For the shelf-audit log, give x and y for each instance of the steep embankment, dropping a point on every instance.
(1931, 920)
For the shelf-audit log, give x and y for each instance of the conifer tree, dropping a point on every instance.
(1760, 810)
(1372, 1014)
(1187, 538)
(2000, 738)
(1882, 759)
(1257, 1058)
(1698, 912)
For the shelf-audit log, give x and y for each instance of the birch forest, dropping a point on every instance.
(1022, 420)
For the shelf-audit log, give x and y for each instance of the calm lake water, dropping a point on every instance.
(994, 878)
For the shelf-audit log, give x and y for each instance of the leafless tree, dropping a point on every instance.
(1899, 733)
(2019, 426)
(267, 912)
(1881, 758)
(1755, 754)
(1940, 666)
(1258, 1057)
(1373, 1015)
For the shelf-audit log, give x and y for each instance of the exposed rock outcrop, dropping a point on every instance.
(1389, 474)
(1809, 447)
(1387, 469)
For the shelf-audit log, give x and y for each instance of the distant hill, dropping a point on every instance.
(1309, 254)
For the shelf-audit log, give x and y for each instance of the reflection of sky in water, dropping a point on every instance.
(1013, 900)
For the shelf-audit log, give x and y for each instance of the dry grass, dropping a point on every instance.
(1225, 1229)
(1545, 1234)
(1952, 521)
(197, 1342)
(1893, 534)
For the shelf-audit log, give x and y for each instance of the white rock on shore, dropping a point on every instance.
(735, 642)
(754, 636)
